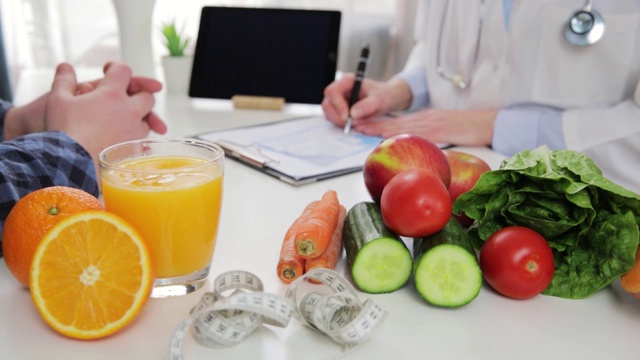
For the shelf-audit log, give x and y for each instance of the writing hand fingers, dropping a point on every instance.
(331, 113)
(336, 96)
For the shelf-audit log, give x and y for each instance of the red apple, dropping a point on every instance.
(465, 171)
(402, 152)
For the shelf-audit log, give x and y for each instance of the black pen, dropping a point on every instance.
(355, 91)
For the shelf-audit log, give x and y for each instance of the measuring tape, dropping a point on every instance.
(220, 320)
(340, 315)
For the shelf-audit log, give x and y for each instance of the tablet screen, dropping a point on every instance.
(265, 52)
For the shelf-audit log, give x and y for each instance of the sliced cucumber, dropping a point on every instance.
(379, 260)
(446, 269)
(449, 276)
(382, 265)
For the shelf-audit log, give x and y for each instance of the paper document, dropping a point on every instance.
(296, 151)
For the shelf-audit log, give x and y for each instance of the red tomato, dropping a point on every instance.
(415, 203)
(517, 262)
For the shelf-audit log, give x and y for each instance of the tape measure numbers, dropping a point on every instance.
(220, 320)
(340, 315)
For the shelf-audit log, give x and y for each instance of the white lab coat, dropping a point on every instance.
(597, 86)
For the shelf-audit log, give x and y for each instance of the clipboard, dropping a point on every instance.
(296, 151)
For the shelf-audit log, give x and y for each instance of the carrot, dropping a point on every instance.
(329, 258)
(314, 235)
(290, 264)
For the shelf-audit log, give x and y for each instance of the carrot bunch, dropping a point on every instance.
(314, 240)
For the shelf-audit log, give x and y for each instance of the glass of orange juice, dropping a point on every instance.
(171, 192)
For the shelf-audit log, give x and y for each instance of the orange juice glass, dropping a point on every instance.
(171, 192)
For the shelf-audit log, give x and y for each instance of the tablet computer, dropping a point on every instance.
(288, 53)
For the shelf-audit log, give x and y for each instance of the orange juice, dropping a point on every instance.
(176, 208)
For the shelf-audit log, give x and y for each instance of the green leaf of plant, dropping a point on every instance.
(590, 222)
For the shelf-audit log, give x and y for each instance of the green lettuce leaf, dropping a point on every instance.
(590, 222)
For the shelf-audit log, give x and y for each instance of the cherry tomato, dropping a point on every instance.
(517, 262)
(415, 203)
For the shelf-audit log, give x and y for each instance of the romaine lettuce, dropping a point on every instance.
(590, 222)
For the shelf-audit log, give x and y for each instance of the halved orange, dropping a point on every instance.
(91, 275)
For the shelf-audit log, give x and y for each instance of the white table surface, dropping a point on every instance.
(256, 212)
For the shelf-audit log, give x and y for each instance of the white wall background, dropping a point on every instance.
(42, 33)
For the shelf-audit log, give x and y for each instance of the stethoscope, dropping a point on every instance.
(583, 28)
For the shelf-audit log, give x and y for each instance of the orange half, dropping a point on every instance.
(91, 275)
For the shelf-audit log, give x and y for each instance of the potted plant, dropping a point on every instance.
(177, 64)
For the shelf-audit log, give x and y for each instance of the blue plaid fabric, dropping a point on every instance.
(40, 160)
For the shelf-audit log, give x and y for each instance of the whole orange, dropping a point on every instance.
(31, 218)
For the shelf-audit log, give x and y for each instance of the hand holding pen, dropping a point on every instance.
(355, 91)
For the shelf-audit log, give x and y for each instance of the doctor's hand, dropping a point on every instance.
(456, 127)
(376, 99)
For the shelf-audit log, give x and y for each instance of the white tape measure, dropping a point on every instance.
(219, 320)
(340, 315)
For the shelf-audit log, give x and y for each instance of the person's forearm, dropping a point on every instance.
(400, 95)
(40, 160)
(23, 120)
(414, 81)
(4, 108)
(11, 127)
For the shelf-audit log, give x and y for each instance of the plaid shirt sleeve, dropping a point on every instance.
(40, 160)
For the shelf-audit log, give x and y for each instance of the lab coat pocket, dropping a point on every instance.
(601, 74)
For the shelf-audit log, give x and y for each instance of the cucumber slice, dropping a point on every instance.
(380, 262)
(383, 265)
(448, 275)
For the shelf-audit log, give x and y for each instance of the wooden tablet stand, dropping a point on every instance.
(257, 102)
